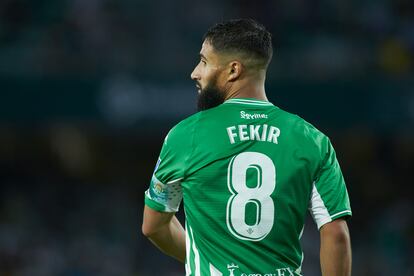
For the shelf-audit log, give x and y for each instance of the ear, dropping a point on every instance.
(235, 70)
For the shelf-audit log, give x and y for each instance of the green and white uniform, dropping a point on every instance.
(247, 172)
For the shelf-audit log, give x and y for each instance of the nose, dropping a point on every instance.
(194, 75)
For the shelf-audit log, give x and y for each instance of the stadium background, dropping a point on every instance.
(89, 88)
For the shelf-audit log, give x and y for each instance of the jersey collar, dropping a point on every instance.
(249, 101)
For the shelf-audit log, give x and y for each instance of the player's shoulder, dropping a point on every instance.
(302, 128)
(187, 122)
(193, 120)
(186, 128)
(183, 130)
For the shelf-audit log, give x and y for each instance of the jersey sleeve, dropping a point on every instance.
(329, 197)
(164, 193)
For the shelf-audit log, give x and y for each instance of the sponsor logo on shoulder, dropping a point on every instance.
(158, 188)
(251, 116)
(158, 191)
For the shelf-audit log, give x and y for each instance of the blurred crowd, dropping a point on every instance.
(313, 39)
(89, 88)
(71, 202)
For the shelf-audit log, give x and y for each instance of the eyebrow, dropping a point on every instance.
(202, 56)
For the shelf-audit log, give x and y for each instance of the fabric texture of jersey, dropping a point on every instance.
(247, 173)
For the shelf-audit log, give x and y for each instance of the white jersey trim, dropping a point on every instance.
(318, 209)
(187, 249)
(214, 271)
(340, 213)
(175, 180)
(196, 255)
(249, 101)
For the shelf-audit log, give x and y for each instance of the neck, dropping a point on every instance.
(247, 89)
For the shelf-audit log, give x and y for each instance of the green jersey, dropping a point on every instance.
(247, 173)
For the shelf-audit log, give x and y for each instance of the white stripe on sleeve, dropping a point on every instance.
(318, 209)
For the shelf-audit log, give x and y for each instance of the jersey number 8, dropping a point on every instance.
(258, 196)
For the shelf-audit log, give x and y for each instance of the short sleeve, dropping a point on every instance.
(164, 193)
(329, 197)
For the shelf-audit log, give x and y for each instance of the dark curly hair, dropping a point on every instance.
(245, 36)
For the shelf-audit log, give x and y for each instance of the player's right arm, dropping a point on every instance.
(335, 251)
(329, 206)
(164, 195)
(165, 232)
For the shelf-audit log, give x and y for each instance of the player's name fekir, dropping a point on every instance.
(241, 133)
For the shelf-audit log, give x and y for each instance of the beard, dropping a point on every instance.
(210, 97)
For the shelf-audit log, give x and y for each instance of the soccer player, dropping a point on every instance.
(247, 172)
